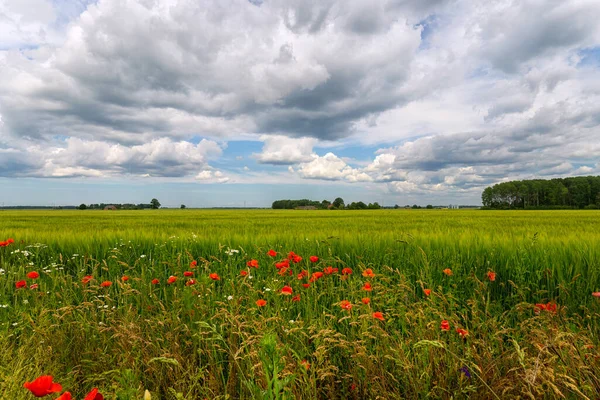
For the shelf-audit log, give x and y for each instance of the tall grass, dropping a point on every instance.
(210, 340)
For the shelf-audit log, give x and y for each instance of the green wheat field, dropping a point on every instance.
(417, 304)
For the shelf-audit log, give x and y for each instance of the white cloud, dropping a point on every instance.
(281, 150)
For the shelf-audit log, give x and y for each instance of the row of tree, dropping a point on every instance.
(154, 204)
(576, 192)
(337, 204)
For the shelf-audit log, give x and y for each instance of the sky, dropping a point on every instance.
(242, 102)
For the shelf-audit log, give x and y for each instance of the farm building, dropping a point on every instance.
(113, 208)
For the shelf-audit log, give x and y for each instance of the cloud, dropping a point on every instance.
(331, 167)
(281, 150)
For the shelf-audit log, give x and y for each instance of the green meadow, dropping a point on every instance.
(199, 337)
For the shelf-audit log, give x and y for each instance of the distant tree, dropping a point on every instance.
(155, 204)
(325, 204)
(338, 203)
(415, 206)
(182, 206)
(429, 206)
(82, 206)
(396, 206)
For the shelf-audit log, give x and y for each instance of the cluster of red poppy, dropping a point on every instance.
(44, 385)
(33, 275)
(7, 242)
(549, 307)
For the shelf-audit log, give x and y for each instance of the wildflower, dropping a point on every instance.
(261, 303)
(296, 298)
(243, 272)
(378, 315)
(190, 282)
(283, 264)
(330, 270)
(94, 395)
(305, 364)
(296, 259)
(347, 271)
(445, 325)
(465, 371)
(155, 281)
(286, 290)
(125, 278)
(106, 284)
(427, 292)
(187, 274)
(596, 294)
(65, 396)
(447, 271)
(285, 271)
(43, 386)
(550, 307)
(252, 263)
(172, 279)
(194, 264)
(34, 286)
(33, 275)
(271, 253)
(367, 287)
(10, 241)
(306, 285)
(346, 305)
(368, 273)
(302, 274)
(491, 276)
(86, 279)
(291, 255)
(147, 395)
(315, 276)
(214, 276)
(462, 332)
(313, 259)
(366, 300)
(20, 284)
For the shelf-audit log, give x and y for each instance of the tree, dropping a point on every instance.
(182, 206)
(429, 207)
(338, 203)
(155, 204)
(82, 206)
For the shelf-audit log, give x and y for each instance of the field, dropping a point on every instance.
(461, 304)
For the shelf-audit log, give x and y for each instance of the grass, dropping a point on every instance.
(211, 340)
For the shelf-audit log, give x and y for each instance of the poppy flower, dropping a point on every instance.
(367, 287)
(368, 273)
(252, 263)
(194, 264)
(551, 307)
(172, 279)
(155, 281)
(86, 279)
(378, 315)
(462, 332)
(291, 255)
(43, 386)
(106, 284)
(34, 286)
(313, 259)
(305, 364)
(315, 276)
(261, 303)
(33, 275)
(271, 253)
(20, 284)
(214, 276)
(491, 276)
(346, 305)
(347, 271)
(596, 294)
(296, 298)
(447, 271)
(366, 300)
(243, 272)
(306, 285)
(302, 274)
(10, 240)
(125, 278)
(427, 292)
(94, 395)
(286, 290)
(65, 396)
(330, 270)
(539, 307)
(445, 325)
(190, 282)
(296, 259)
(283, 264)
(187, 274)
(285, 271)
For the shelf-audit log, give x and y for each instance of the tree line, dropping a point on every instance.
(337, 204)
(559, 193)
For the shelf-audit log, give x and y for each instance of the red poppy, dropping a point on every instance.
(214, 276)
(378, 315)
(194, 264)
(65, 396)
(20, 284)
(346, 305)
(252, 263)
(286, 290)
(296, 298)
(86, 279)
(155, 281)
(291, 255)
(313, 259)
(106, 284)
(366, 300)
(596, 294)
(188, 274)
(296, 259)
(43, 386)
(34, 286)
(491, 276)
(315, 276)
(368, 273)
(445, 326)
(347, 271)
(305, 364)
(285, 271)
(367, 287)
(172, 279)
(550, 307)
(271, 253)
(330, 270)
(33, 275)
(10, 241)
(306, 285)
(125, 278)
(427, 292)
(283, 264)
(261, 303)
(243, 272)
(190, 282)
(302, 274)
(447, 271)
(94, 395)
(462, 332)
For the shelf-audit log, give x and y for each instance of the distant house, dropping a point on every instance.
(306, 208)
(113, 208)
